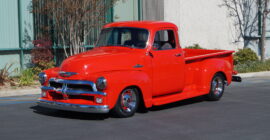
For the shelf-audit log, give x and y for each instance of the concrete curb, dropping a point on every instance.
(19, 92)
(255, 74)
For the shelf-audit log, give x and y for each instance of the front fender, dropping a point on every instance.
(119, 80)
(52, 72)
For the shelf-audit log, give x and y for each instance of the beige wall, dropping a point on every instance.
(125, 10)
(153, 9)
(201, 21)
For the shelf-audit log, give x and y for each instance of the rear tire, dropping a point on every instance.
(217, 88)
(127, 103)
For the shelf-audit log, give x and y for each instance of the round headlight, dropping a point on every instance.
(101, 83)
(42, 77)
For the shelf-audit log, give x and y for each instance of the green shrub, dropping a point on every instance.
(195, 46)
(27, 77)
(245, 55)
(253, 66)
(42, 65)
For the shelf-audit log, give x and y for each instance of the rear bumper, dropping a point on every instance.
(236, 79)
(73, 107)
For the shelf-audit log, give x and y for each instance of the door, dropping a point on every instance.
(168, 64)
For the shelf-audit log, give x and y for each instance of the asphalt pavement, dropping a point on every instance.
(243, 113)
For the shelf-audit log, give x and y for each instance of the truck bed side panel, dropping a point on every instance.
(200, 70)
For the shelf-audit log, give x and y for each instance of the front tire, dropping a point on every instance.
(217, 87)
(127, 103)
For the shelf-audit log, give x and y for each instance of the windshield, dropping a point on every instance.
(125, 37)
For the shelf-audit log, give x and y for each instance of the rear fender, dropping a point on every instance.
(211, 67)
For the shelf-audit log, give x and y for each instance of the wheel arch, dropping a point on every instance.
(223, 74)
(212, 67)
(142, 105)
(120, 80)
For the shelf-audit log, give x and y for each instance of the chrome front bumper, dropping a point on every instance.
(73, 107)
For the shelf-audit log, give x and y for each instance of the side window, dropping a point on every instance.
(164, 40)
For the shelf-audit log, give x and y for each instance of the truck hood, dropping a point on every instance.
(103, 59)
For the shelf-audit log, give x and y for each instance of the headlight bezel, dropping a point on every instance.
(42, 77)
(101, 83)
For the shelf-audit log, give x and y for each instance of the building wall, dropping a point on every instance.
(130, 10)
(153, 9)
(9, 38)
(202, 22)
(16, 32)
(126, 10)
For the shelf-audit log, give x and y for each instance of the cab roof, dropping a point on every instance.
(142, 24)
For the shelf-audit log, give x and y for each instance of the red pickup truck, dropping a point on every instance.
(136, 65)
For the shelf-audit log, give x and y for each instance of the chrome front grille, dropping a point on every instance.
(81, 87)
(72, 87)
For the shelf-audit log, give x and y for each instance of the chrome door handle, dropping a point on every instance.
(178, 55)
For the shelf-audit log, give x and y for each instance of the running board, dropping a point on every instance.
(161, 100)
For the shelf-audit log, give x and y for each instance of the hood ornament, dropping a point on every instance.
(67, 74)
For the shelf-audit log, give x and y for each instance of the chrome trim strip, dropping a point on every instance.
(73, 107)
(74, 92)
(138, 66)
(67, 74)
(78, 92)
(47, 88)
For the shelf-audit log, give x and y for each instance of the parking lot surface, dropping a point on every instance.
(243, 113)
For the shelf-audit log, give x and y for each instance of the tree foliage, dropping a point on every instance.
(245, 16)
(41, 55)
(264, 9)
(72, 20)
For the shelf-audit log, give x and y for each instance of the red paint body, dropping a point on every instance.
(164, 78)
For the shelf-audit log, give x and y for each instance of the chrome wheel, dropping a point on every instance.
(127, 103)
(217, 85)
(128, 100)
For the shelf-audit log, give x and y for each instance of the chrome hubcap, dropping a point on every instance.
(128, 100)
(217, 85)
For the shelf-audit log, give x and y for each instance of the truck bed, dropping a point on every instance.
(194, 54)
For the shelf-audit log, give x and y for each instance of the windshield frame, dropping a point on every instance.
(146, 42)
